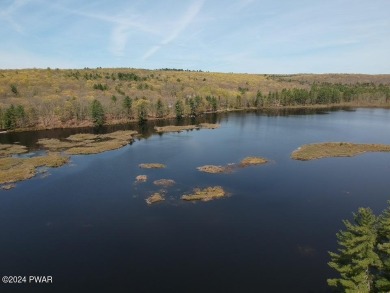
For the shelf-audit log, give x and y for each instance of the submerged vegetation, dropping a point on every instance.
(363, 259)
(46, 98)
(335, 149)
(206, 194)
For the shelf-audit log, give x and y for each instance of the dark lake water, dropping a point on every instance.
(88, 225)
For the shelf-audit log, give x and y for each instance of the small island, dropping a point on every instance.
(206, 194)
(175, 128)
(164, 182)
(154, 198)
(151, 166)
(252, 161)
(246, 162)
(88, 143)
(335, 149)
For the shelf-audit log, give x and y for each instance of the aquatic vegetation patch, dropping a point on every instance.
(246, 162)
(12, 149)
(164, 182)
(155, 197)
(8, 186)
(141, 178)
(206, 194)
(252, 161)
(87, 143)
(175, 128)
(17, 169)
(209, 125)
(213, 169)
(335, 149)
(151, 166)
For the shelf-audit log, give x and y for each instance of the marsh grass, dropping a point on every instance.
(151, 166)
(12, 149)
(335, 149)
(155, 197)
(86, 143)
(141, 178)
(206, 194)
(213, 169)
(17, 169)
(209, 125)
(252, 161)
(246, 162)
(164, 182)
(175, 128)
(8, 186)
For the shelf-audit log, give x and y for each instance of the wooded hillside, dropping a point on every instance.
(48, 98)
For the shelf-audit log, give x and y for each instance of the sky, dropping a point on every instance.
(243, 36)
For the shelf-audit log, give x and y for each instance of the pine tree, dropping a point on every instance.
(179, 109)
(159, 108)
(127, 105)
(383, 279)
(97, 112)
(357, 259)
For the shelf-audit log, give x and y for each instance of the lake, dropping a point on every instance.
(88, 226)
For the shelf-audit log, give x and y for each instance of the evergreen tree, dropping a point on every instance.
(192, 107)
(179, 109)
(127, 105)
(383, 278)
(10, 117)
(357, 259)
(97, 112)
(258, 100)
(20, 116)
(159, 108)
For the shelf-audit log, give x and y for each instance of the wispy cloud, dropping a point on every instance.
(7, 14)
(182, 24)
(123, 24)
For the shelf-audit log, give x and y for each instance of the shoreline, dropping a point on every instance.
(117, 122)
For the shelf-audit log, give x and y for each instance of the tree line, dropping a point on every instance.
(363, 258)
(47, 111)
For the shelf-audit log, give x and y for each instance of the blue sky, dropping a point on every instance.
(253, 36)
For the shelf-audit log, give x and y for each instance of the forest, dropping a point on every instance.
(55, 98)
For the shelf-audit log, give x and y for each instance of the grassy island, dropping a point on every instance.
(206, 194)
(17, 169)
(87, 143)
(174, 128)
(246, 162)
(164, 182)
(155, 197)
(335, 149)
(151, 166)
(252, 161)
(212, 169)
